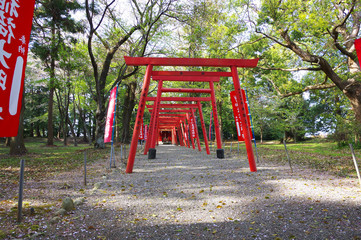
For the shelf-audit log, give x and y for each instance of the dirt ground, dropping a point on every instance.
(186, 194)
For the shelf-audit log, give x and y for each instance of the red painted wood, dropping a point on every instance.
(191, 73)
(188, 131)
(204, 62)
(196, 130)
(174, 105)
(138, 120)
(172, 115)
(147, 143)
(186, 78)
(180, 99)
(172, 110)
(183, 134)
(156, 114)
(203, 127)
(246, 128)
(215, 117)
(180, 135)
(186, 90)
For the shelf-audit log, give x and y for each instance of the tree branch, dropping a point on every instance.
(321, 86)
(291, 69)
(340, 28)
(272, 38)
(105, 44)
(103, 15)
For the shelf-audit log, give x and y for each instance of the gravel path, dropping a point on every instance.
(185, 194)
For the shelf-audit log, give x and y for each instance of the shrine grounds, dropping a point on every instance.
(184, 194)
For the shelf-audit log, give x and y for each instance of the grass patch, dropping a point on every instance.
(319, 155)
(42, 161)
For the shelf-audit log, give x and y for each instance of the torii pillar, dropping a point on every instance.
(200, 62)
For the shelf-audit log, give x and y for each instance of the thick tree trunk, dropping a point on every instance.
(72, 131)
(129, 103)
(50, 115)
(65, 132)
(51, 95)
(31, 133)
(82, 118)
(353, 93)
(93, 129)
(7, 142)
(100, 125)
(37, 130)
(17, 146)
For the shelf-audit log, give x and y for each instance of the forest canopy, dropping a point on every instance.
(308, 80)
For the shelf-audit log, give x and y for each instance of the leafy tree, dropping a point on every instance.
(138, 34)
(313, 36)
(35, 116)
(52, 20)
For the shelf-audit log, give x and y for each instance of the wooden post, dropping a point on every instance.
(85, 168)
(288, 156)
(21, 188)
(138, 120)
(190, 127)
(246, 127)
(196, 129)
(203, 127)
(220, 151)
(355, 162)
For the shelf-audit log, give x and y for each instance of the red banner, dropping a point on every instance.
(15, 25)
(141, 132)
(145, 132)
(237, 117)
(244, 99)
(237, 114)
(358, 50)
(110, 116)
(210, 127)
(185, 132)
(193, 128)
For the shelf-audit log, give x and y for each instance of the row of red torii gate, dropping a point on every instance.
(171, 116)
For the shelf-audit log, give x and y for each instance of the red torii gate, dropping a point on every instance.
(191, 111)
(233, 64)
(159, 98)
(173, 122)
(188, 109)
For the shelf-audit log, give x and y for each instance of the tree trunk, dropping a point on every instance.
(100, 125)
(37, 130)
(50, 112)
(65, 132)
(129, 103)
(51, 93)
(7, 142)
(31, 133)
(17, 146)
(353, 93)
(93, 129)
(72, 132)
(82, 119)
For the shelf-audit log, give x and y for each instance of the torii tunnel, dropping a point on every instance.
(173, 117)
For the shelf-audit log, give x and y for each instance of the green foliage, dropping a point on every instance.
(52, 20)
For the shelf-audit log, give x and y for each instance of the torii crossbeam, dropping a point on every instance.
(233, 64)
